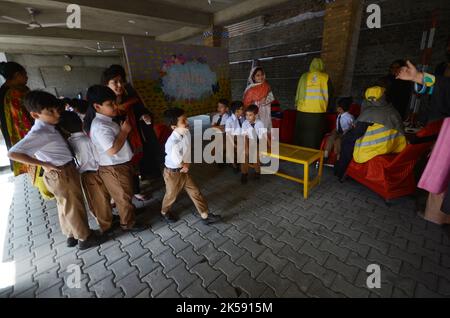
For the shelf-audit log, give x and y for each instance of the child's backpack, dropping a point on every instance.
(36, 174)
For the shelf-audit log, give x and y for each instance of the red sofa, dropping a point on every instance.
(392, 176)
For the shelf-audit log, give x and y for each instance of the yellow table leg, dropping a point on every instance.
(305, 180)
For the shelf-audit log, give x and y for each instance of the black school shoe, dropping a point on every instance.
(169, 217)
(137, 227)
(212, 218)
(71, 242)
(93, 240)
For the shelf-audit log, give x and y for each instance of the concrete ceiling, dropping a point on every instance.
(106, 21)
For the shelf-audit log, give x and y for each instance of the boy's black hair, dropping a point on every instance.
(224, 101)
(236, 105)
(98, 94)
(80, 105)
(171, 116)
(345, 103)
(70, 122)
(252, 109)
(111, 72)
(38, 100)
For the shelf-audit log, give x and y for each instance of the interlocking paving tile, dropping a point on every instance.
(325, 275)
(274, 281)
(158, 281)
(131, 285)
(230, 270)
(223, 289)
(181, 276)
(252, 287)
(272, 243)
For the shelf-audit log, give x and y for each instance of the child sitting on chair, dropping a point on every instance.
(344, 123)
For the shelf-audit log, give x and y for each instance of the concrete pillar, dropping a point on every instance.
(340, 42)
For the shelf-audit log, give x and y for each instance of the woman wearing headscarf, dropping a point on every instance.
(259, 93)
(15, 120)
(313, 94)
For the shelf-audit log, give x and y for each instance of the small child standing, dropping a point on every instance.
(46, 147)
(233, 129)
(176, 172)
(344, 123)
(96, 194)
(110, 141)
(254, 131)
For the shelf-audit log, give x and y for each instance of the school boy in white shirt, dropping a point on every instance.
(45, 146)
(176, 172)
(95, 191)
(110, 141)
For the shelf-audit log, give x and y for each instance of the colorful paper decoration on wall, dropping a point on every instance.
(176, 75)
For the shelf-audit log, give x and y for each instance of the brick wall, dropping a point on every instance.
(402, 23)
(282, 73)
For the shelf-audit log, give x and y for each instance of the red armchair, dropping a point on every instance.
(392, 176)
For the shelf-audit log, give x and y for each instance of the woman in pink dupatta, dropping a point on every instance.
(259, 93)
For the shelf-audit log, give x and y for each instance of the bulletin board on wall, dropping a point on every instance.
(166, 75)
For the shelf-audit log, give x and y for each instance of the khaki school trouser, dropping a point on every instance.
(66, 187)
(98, 198)
(256, 165)
(118, 180)
(175, 183)
(334, 140)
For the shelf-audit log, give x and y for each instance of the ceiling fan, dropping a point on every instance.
(33, 24)
(99, 49)
(210, 2)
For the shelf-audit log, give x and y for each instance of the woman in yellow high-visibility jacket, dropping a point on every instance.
(386, 134)
(313, 94)
(378, 130)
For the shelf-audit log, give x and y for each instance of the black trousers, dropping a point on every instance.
(347, 147)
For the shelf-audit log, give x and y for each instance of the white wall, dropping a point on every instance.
(47, 71)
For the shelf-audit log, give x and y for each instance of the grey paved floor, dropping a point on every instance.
(272, 244)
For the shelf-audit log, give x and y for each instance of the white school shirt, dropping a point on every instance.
(215, 119)
(232, 125)
(178, 150)
(346, 121)
(252, 132)
(103, 134)
(85, 152)
(45, 143)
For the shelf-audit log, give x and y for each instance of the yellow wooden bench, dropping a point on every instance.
(303, 156)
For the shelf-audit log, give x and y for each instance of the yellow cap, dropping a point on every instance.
(374, 92)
